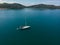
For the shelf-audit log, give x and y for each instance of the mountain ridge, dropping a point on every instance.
(20, 6)
(12, 6)
(45, 6)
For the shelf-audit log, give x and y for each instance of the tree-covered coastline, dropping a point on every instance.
(20, 6)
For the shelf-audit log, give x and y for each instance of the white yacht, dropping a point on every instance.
(25, 25)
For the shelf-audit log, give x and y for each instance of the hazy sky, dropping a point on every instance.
(32, 2)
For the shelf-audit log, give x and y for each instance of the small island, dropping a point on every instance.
(20, 6)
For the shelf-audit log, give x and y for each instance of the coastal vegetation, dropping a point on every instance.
(12, 6)
(20, 6)
(44, 6)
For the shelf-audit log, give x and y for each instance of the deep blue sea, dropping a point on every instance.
(45, 27)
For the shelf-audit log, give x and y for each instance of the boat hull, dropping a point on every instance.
(24, 27)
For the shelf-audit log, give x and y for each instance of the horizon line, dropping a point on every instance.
(27, 5)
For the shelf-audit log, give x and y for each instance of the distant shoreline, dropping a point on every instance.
(20, 6)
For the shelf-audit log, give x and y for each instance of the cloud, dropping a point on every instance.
(1, 1)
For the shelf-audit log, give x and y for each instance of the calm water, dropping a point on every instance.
(45, 27)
